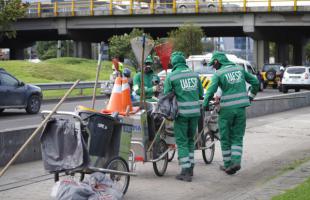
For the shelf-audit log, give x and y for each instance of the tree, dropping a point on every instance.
(119, 45)
(187, 39)
(10, 11)
(47, 49)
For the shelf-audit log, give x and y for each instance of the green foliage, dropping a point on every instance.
(300, 192)
(120, 45)
(10, 11)
(47, 49)
(187, 39)
(307, 51)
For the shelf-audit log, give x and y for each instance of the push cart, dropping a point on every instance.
(205, 138)
(84, 142)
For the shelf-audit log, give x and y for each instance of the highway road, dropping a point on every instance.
(19, 118)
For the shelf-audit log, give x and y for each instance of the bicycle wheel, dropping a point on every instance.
(209, 147)
(171, 155)
(121, 181)
(160, 166)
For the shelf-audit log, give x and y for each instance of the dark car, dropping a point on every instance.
(18, 95)
(271, 74)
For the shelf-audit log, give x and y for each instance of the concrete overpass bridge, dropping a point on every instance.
(282, 21)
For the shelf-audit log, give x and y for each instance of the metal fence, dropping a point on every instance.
(105, 86)
(131, 7)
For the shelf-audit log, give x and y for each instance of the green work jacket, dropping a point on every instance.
(232, 80)
(188, 90)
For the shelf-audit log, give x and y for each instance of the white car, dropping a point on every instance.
(182, 4)
(296, 77)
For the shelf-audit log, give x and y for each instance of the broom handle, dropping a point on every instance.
(38, 129)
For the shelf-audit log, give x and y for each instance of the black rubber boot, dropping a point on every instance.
(184, 175)
(233, 169)
(191, 170)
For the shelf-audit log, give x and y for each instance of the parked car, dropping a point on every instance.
(295, 77)
(271, 74)
(17, 94)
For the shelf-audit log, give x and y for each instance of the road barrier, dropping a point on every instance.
(82, 85)
(12, 140)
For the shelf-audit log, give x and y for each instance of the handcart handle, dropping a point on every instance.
(72, 114)
(111, 171)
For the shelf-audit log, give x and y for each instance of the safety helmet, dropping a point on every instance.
(127, 72)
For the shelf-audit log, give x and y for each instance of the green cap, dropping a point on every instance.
(148, 60)
(177, 58)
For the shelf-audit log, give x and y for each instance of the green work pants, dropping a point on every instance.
(232, 124)
(185, 130)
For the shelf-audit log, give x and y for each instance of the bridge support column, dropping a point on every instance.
(261, 53)
(17, 53)
(299, 52)
(282, 53)
(82, 49)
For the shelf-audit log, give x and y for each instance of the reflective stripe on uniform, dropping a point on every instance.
(191, 158)
(232, 96)
(227, 158)
(232, 103)
(186, 165)
(236, 147)
(230, 69)
(185, 159)
(182, 75)
(189, 111)
(226, 153)
(236, 153)
(191, 103)
(135, 87)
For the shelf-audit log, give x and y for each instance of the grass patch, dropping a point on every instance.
(301, 192)
(57, 70)
(54, 70)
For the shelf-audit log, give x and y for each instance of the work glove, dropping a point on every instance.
(154, 88)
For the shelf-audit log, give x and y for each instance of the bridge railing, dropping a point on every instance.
(134, 7)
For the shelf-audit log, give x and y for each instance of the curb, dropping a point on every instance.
(280, 184)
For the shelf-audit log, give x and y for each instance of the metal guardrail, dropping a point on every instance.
(106, 86)
(135, 7)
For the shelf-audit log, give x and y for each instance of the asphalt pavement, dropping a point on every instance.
(271, 143)
(15, 118)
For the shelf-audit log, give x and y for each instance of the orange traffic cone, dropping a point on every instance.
(115, 102)
(126, 100)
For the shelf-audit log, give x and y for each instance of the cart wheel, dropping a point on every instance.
(121, 181)
(171, 155)
(208, 153)
(160, 166)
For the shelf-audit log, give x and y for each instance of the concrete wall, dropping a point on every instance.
(11, 140)
(280, 103)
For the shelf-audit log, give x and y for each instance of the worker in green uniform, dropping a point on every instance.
(149, 88)
(232, 79)
(188, 90)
